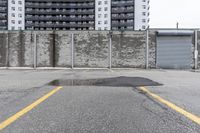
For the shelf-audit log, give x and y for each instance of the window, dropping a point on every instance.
(99, 15)
(105, 22)
(13, 15)
(99, 2)
(143, 20)
(144, 7)
(105, 2)
(99, 22)
(13, 21)
(99, 9)
(19, 22)
(105, 15)
(13, 8)
(20, 8)
(144, 13)
(13, 28)
(13, 2)
(20, 2)
(106, 9)
(20, 15)
(99, 28)
(143, 27)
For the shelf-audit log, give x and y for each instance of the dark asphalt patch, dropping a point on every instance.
(113, 82)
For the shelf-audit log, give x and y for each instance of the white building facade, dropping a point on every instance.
(16, 14)
(141, 14)
(103, 15)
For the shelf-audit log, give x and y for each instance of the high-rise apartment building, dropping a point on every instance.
(74, 14)
(3, 15)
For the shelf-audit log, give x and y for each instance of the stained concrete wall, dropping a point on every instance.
(44, 42)
(128, 49)
(152, 49)
(198, 47)
(3, 49)
(63, 49)
(91, 49)
(79, 49)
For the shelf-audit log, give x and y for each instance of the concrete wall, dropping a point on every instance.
(44, 42)
(63, 49)
(198, 47)
(128, 49)
(3, 49)
(152, 49)
(91, 49)
(81, 49)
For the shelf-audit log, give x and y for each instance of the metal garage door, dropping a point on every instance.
(174, 52)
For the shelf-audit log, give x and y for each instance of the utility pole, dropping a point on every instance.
(177, 25)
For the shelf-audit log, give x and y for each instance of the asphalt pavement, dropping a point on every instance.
(106, 106)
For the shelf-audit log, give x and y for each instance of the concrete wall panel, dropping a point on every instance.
(3, 49)
(152, 49)
(44, 43)
(28, 39)
(63, 41)
(128, 49)
(16, 49)
(198, 48)
(91, 49)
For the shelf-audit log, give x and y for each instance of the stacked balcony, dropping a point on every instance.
(3, 15)
(122, 15)
(60, 14)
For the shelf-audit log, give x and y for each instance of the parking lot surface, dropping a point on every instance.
(99, 101)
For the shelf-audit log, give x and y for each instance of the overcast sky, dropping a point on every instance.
(166, 13)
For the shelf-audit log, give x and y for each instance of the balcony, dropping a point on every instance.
(52, 12)
(67, 25)
(64, 19)
(3, 17)
(119, 4)
(71, 1)
(3, 23)
(116, 11)
(122, 17)
(60, 6)
(3, 11)
(122, 24)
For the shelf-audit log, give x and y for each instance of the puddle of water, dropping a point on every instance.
(113, 82)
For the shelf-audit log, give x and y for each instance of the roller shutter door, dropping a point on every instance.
(174, 52)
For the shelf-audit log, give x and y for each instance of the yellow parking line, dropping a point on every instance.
(189, 115)
(27, 109)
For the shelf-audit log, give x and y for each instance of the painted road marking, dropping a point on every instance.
(190, 116)
(19, 114)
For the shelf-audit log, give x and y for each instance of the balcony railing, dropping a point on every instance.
(52, 12)
(65, 19)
